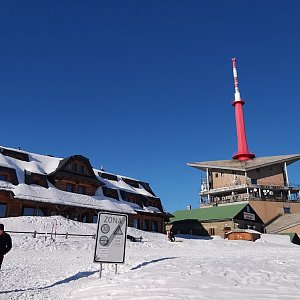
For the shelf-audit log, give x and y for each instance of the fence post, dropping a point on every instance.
(67, 235)
(34, 234)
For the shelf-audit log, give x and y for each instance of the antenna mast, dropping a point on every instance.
(243, 152)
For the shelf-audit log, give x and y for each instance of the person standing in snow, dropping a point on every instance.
(170, 236)
(5, 243)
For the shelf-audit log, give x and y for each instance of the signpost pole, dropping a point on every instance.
(116, 271)
(100, 271)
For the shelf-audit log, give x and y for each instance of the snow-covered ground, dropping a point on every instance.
(190, 268)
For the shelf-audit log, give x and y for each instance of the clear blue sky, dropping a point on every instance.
(143, 87)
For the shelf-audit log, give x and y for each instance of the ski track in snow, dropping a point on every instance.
(154, 269)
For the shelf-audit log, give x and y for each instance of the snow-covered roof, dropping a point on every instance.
(44, 164)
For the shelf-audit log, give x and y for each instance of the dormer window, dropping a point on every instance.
(108, 176)
(34, 178)
(14, 154)
(131, 197)
(146, 186)
(111, 193)
(131, 182)
(9, 175)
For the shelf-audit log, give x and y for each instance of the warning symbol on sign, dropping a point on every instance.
(118, 231)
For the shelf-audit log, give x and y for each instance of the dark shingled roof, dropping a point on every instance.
(244, 165)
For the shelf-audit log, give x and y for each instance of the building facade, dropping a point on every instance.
(216, 220)
(39, 185)
(263, 182)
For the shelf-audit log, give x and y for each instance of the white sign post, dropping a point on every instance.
(111, 238)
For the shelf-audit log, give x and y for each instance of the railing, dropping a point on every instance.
(249, 186)
(52, 235)
(238, 198)
(294, 185)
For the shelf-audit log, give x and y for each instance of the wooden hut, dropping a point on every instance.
(241, 234)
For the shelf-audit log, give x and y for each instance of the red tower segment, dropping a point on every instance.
(243, 152)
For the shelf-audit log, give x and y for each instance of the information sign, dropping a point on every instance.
(111, 238)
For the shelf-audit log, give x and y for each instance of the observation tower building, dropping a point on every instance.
(261, 181)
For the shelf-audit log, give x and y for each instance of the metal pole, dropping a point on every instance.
(286, 175)
(287, 180)
(207, 180)
(207, 185)
(116, 271)
(100, 271)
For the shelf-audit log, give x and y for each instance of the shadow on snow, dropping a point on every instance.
(150, 262)
(77, 276)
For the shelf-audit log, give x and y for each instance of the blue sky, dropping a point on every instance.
(143, 87)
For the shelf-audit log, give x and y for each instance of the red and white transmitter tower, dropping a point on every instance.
(243, 152)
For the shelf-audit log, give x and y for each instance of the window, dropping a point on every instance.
(131, 197)
(81, 169)
(81, 189)
(136, 223)
(154, 225)
(70, 187)
(253, 181)
(95, 218)
(212, 231)
(8, 174)
(146, 225)
(15, 154)
(3, 208)
(3, 177)
(74, 167)
(34, 178)
(111, 193)
(108, 176)
(131, 182)
(216, 175)
(30, 211)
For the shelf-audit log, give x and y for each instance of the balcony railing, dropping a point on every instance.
(250, 186)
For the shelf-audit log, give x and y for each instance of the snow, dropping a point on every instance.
(190, 268)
